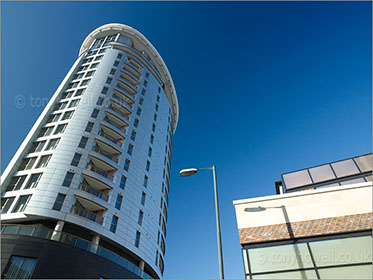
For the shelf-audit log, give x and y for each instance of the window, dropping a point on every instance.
(53, 144)
(123, 181)
(78, 76)
(114, 222)
(53, 118)
(60, 106)
(82, 68)
(83, 142)
(87, 60)
(147, 165)
(89, 127)
(67, 95)
(141, 101)
(60, 129)
(99, 57)
(79, 92)
(37, 147)
(143, 91)
(67, 115)
(130, 149)
(90, 73)
(147, 75)
(108, 81)
(94, 65)
(74, 103)
(158, 99)
(133, 135)
(68, 178)
(137, 240)
(118, 203)
(33, 181)
(145, 83)
(27, 163)
(102, 51)
(155, 117)
(159, 90)
(145, 181)
(112, 72)
(153, 127)
(156, 107)
(95, 113)
(159, 235)
(84, 82)
(46, 131)
(143, 197)
(5, 204)
(116, 63)
(150, 151)
(72, 85)
(76, 159)
(104, 90)
(100, 101)
(43, 162)
(19, 268)
(138, 112)
(136, 123)
(59, 201)
(119, 55)
(16, 183)
(141, 216)
(91, 53)
(21, 203)
(126, 164)
(152, 139)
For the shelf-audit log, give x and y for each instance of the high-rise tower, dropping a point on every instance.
(86, 194)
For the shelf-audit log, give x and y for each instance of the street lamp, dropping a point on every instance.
(192, 171)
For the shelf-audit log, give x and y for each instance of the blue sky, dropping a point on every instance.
(263, 88)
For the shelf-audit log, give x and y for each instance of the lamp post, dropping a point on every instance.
(192, 171)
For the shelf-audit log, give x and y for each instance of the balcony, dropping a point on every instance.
(80, 211)
(111, 135)
(134, 63)
(126, 86)
(123, 97)
(119, 110)
(105, 153)
(129, 73)
(127, 77)
(102, 168)
(87, 188)
(116, 122)
(133, 70)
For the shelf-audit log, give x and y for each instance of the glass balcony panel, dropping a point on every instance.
(322, 173)
(297, 179)
(89, 189)
(26, 230)
(345, 168)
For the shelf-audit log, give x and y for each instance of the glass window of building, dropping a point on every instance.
(130, 149)
(108, 81)
(94, 65)
(37, 146)
(79, 92)
(143, 197)
(141, 101)
(21, 203)
(33, 181)
(133, 135)
(95, 113)
(141, 216)
(126, 164)
(53, 144)
(138, 112)
(74, 103)
(153, 127)
(84, 82)
(100, 101)
(16, 183)
(136, 123)
(116, 63)
(5, 204)
(89, 127)
(147, 165)
(46, 131)
(150, 151)
(114, 223)
(104, 90)
(76, 159)
(59, 202)
(19, 268)
(112, 72)
(43, 162)
(137, 240)
(146, 181)
(152, 139)
(68, 115)
(67, 94)
(123, 181)
(60, 129)
(83, 142)
(90, 73)
(118, 202)
(68, 179)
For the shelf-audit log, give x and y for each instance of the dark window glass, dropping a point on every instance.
(104, 90)
(118, 203)
(141, 216)
(143, 197)
(89, 127)
(76, 159)
(5, 204)
(83, 142)
(130, 149)
(114, 222)
(126, 165)
(68, 178)
(19, 268)
(123, 181)
(21, 203)
(59, 201)
(137, 240)
(95, 113)
(33, 181)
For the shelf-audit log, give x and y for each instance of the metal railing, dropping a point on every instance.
(119, 112)
(106, 119)
(74, 241)
(108, 137)
(93, 191)
(86, 214)
(105, 154)
(101, 172)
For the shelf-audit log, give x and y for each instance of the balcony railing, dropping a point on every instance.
(74, 241)
(119, 112)
(108, 137)
(105, 154)
(104, 173)
(93, 191)
(121, 101)
(106, 119)
(86, 214)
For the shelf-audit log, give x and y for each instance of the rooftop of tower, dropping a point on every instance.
(140, 43)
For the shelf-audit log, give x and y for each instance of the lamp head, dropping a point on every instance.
(188, 172)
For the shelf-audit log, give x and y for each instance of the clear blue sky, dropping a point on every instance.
(263, 88)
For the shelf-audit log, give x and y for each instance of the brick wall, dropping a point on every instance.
(308, 228)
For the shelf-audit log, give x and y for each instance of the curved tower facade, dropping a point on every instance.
(89, 185)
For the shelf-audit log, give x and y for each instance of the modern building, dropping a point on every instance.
(317, 226)
(86, 194)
